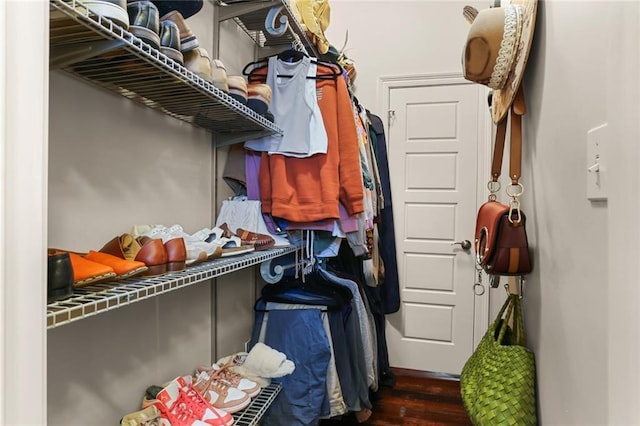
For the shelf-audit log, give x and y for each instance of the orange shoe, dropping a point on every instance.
(122, 267)
(86, 272)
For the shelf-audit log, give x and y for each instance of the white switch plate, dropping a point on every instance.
(596, 170)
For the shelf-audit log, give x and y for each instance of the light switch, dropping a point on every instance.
(596, 169)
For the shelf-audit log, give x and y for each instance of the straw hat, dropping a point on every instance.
(497, 49)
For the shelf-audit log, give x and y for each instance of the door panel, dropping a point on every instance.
(433, 155)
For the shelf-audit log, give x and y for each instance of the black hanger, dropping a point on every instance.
(252, 67)
(330, 294)
(292, 55)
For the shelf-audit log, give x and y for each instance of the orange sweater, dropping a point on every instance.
(308, 189)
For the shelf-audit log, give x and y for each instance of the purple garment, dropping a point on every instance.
(347, 223)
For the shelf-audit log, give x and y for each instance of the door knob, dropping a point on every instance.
(465, 244)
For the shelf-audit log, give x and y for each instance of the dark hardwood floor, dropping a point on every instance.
(418, 398)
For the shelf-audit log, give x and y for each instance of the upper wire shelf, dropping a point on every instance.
(95, 299)
(251, 16)
(101, 52)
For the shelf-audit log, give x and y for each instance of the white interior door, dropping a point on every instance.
(434, 134)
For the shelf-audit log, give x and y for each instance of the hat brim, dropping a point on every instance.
(503, 98)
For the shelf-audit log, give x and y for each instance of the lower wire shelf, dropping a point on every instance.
(259, 405)
(95, 299)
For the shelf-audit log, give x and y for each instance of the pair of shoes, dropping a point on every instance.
(115, 10)
(93, 267)
(212, 70)
(196, 250)
(144, 21)
(230, 245)
(188, 40)
(149, 416)
(170, 41)
(235, 380)
(59, 277)
(159, 257)
(182, 405)
(259, 97)
(259, 241)
(196, 58)
(220, 394)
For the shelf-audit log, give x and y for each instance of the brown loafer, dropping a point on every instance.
(151, 252)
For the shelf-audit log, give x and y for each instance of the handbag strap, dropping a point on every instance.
(516, 111)
(513, 307)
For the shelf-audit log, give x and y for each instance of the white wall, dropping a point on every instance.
(581, 301)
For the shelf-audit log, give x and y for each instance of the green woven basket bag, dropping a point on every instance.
(498, 381)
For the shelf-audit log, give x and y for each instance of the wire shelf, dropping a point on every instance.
(95, 49)
(95, 299)
(259, 405)
(251, 15)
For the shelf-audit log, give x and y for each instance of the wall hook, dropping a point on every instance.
(270, 22)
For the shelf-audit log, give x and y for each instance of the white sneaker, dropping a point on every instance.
(235, 380)
(231, 245)
(212, 249)
(219, 394)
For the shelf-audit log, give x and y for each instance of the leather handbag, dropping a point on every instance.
(501, 243)
(497, 383)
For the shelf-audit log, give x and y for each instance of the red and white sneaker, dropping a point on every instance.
(200, 407)
(175, 407)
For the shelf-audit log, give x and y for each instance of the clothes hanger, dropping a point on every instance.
(290, 55)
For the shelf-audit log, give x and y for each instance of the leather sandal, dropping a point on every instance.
(260, 241)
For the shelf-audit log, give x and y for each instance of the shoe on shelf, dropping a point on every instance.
(196, 251)
(259, 241)
(238, 88)
(219, 75)
(235, 380)
(188, 40)
(144, 21)
(85, 272)
(220, 394)
(151, 252)
(170, 41)
(181, 405)
(149, 416)
(122, 267)
(259, 97)
(261, 363)
(231, 246)
(59, 277)
(198, 62)
(115, 10)
(235, 363)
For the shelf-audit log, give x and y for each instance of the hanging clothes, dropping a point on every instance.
(295, 314)
(295, 109)
(308, 189)
(390, 288)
